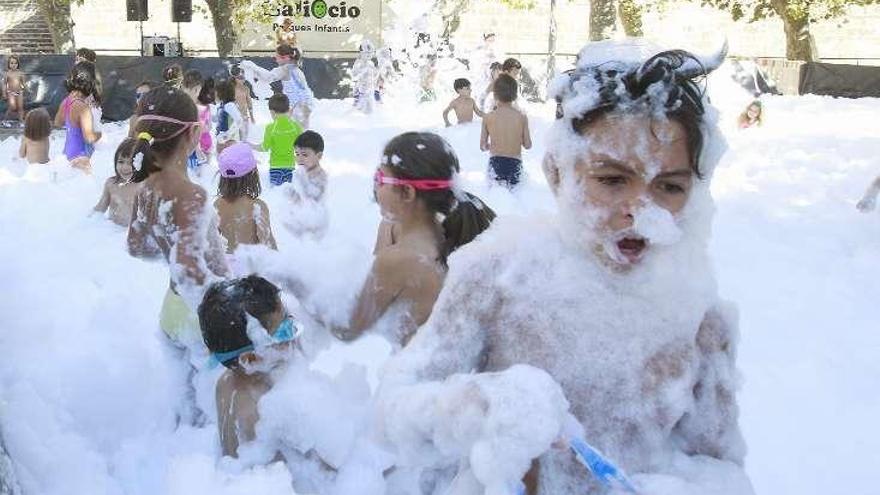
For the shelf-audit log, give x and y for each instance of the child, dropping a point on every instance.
(229, 119)
(309, 214)
(869, 200)
(505, 133)
(753, 115)
(465, 107)
(293, 81)
(244, 218)
(278, 140)
(427, 74)
(13, 84)
(143, 88)
(192, 86)
(172, 76)
(227, 311)
(119, 190)
(512, 68)
(35, 143)
(243, 100)
(203, 103)
(77, 114)
(487, 101)
(364, 74)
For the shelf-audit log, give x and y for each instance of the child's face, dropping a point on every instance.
(306, 157)
(514, 72)
(465, 91)
(754, 111)
(124, 168)
(13, 63)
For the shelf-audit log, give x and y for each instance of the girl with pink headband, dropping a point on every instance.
(425, 217)
(172, 217)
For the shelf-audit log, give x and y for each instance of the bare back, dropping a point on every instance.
(508, 132)
(241, 222)
(35, 151)
(243, 100)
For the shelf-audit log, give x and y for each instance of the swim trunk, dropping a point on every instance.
(278, 176)
(505, 170)
(192, 162)
(177, 320)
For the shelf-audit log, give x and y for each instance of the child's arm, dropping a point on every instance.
(87, 125)
(869, 200)
(484, 137)
(22, 149)
(527, 137)
(59, 115)
(446, 115)
(264, 226)
(104, 202)
(477, 109)
(380, 290)
(250, 106)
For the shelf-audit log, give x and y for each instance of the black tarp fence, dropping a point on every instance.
(120, 76)
(848, 81)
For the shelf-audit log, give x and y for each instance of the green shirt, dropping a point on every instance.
(278, 140)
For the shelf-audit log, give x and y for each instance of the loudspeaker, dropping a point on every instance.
(137, 10)
(181, 10)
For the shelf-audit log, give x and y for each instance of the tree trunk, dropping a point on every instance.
(57, 15)
(602, 19)
(799, 42)
(221, 15)
(630, 17)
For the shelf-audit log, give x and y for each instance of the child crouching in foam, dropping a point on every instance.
(244, 218)
(248, 330)
(119, 190)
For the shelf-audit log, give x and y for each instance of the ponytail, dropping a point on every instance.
(143, 159)
(465, 222)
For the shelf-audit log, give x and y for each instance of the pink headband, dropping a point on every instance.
(162, 118)
(418, 184)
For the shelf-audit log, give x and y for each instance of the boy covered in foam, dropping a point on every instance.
(248, 330)
(309, 183)
(615, 296)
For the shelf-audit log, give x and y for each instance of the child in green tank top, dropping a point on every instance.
(278, 140)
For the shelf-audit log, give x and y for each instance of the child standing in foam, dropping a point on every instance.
(278, 140)
(364, 74)
(244, 218)
(229, 119)
(293, 81)
(35, 143)
(81, 134)
(192, 86)
(464, 106)
(309, 213)
(119, 190)
(505, 133)
(204, 101)
(171, 216)
(243, 100)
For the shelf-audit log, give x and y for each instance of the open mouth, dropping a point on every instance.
(632, 248)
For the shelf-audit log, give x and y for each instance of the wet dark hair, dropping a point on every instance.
(81, 78)
(235, 71)
(505, 88)
(231, 188)
(494, 66)
(192, 78)
(224, 309)
(682, 100)
(279, 103)
(311, 140)
(87, 54)
(289, 51)
(125, 149)
(511, 63)
(425, 155)
(9, 62)
(206, 95)
(172, 75)
(37, 124)
(224, 90)
(461, 83)
(166, 102)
